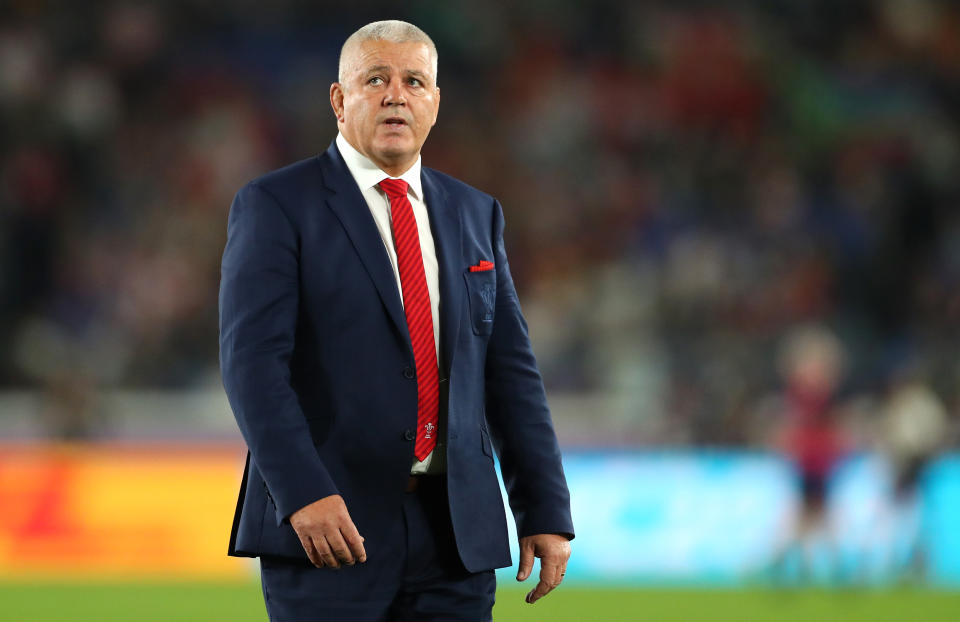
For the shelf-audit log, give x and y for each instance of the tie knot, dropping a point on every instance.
(394, 187)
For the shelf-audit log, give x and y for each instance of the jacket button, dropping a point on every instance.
(408, 372)
(408, 435)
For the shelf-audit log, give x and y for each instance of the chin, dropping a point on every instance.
(395, 149)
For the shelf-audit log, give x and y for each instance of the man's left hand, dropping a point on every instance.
(553, 551)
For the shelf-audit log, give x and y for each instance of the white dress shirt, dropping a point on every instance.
(368, 175)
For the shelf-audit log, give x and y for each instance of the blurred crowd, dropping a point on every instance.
(698, 195)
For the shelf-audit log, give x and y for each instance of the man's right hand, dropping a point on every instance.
(327, 533)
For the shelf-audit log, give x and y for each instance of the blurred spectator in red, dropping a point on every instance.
(812, 366)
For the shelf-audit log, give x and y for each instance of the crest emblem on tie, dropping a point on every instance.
(487, 293)
(429, 428)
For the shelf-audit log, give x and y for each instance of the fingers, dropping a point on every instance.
(340, 549)
(355, 541)
(550, 577)
(526, 561)
(326, 553)
(311, 551)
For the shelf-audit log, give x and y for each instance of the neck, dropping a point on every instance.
(394, 170)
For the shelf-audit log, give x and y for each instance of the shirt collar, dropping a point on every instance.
(367, 174)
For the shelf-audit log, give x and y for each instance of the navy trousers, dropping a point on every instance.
(414, 575)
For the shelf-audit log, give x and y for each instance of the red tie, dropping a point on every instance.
(416, 306)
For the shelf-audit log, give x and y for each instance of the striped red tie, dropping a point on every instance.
(416, 306)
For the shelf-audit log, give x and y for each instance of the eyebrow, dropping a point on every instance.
(375, 69)
(417, 74)
(384, 68)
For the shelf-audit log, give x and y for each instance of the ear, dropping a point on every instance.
(336, 100)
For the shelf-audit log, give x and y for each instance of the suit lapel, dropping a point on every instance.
(351, 208)
(445, 225)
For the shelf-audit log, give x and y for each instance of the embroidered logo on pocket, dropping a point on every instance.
(488, 293)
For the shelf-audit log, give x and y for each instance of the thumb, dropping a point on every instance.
(526, 562)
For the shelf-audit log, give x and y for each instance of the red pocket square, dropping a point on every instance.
(483, 266)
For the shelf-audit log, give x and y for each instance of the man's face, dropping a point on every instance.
(388, 102)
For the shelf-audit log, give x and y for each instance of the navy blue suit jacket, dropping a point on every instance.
(317, 365)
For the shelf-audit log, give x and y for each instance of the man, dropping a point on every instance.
(372, 347)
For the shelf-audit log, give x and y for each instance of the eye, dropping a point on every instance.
(375, 81)
(414, 82)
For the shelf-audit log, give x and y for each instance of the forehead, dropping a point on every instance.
(406, 56)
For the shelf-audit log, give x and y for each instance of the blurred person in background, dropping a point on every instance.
(372, 345)
(812, 366)
(914, 430)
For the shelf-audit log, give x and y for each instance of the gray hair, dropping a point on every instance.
(392, 30)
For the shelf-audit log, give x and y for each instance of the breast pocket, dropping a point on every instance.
(482, 292)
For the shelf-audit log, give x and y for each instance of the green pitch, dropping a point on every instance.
(242, 603)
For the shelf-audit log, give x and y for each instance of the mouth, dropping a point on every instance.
(395, 122)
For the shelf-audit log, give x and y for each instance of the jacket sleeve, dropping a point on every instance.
(259, 296)
(518, 415)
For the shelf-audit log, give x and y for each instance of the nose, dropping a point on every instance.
(394, 96)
